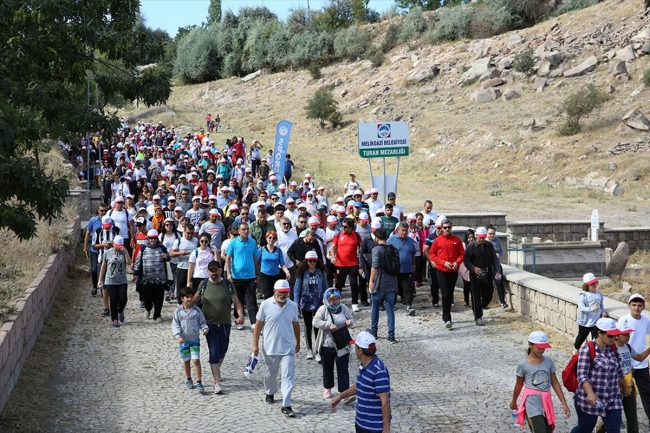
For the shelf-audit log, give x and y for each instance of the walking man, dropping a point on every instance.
(447, 254)
(278, 317)
(372, 388)
(481, 262)
(382, 287)
(407, 249)
(345, 250)
(242, 264)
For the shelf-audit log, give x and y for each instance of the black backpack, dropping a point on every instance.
(204, 283)
(391, 260)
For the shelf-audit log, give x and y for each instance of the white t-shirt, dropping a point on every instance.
(637, 338)
(121, 221)
(201, 262)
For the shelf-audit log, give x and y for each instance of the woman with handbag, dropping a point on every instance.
(333, 319)
(199, 260)
(308, 290)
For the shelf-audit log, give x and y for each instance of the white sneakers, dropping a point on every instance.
(217, 388)
(355, 308)
(240, 327)
(310, 354)
(410, 311)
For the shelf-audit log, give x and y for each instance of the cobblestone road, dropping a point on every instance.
(130, 379)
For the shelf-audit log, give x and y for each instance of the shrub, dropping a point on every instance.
(351, 43)
(528, 11)
(573, 5)
(413, 25)
(489, 21)
(646, 77)
(524, 62)
(310, 47)
(314, 70)
(376, 56)
(470, 82)
(578, 105)
(232, 63)
(323, 106)
(278, 49)
(197, 57)
(391, 37)
(454, 24)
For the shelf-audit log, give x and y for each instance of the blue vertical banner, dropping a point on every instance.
(282, 133)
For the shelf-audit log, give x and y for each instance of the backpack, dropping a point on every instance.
(391, 259)
(570, 373)
(204, 284)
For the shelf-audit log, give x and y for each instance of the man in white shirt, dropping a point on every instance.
(374, 203)
(352, 184)
(641, 326)
(398, 210)
(430, 216)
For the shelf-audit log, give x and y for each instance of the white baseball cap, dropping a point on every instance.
(365, 340)
(539, 339)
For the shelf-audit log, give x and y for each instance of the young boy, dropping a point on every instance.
(188, 322)
(641, 327)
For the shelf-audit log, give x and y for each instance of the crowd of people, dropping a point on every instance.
(212, 229)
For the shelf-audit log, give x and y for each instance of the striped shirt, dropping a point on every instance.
(371, 381)
(603, 374)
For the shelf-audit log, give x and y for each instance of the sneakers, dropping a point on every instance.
(115, 324)
(479, 322)
(365, 303)
(141, 304)
(327, 393)
(93, 292)
(310, 354)
(504, 305)
(189, 384)
(369, 331)
(159, 320)
(350, 399)
(575, 350)
(410, 311)
(217, 388)
(147, 314)
(199, 387)
(448, 324)
(240, 327)
(391, 340)
(167, 298)
(269, 399)
(436, 306)
(466, 305)
(121, 317)
(355, 308)
(317, 357)
(106, 312)
(287, 411)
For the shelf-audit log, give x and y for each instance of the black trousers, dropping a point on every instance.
(501, 291)
(642, 378)
(420, 266)
(353, 272)
(117, 299)
(328, 359)
(267, 282)
(247, 289)
(405, 287)
(154, 295)
(467, 287)
(308, 317)
(447, 283)
(435, 287)
(481, 295)
(583, 332)
(255, 165)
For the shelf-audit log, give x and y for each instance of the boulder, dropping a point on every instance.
(617, 264)
(555, 73)
(626, 54)
(619, 68)
(489, 74)
(637, 90)
(635, 119)
(484, 96)
(476, 69)
(643, 35)
(540, 83)
(613, 188)
(646, 48)
(514, 40)
(492, 82)
(586, 66)
(338, 82)
(251, 76)
(544, 68)
(510, 94)
(422, 73)
(506, 62)
(554, 58)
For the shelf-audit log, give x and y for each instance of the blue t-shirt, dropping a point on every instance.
(371, 381)
(242, 253)
(94, 223)
(406, 249)
(288, 165)
(270, 260)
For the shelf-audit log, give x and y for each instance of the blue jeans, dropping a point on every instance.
(389, 302)
(586, 422)
(94, 268)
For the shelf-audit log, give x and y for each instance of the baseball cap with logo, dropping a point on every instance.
(313, 221)
(481, 232)
(311, 255)
(153, 233)
(332, 219)
(365, 340)
(364, 217)
(118, 241)
(636, 297)
(282, 286)
(607, 325)
(589, 278)
(539, 339)
(107, 222)
(624, 327)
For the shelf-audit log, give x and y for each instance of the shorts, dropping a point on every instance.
(218, 339)
(190, 349)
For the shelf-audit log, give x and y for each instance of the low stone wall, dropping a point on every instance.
(561, 260)
(20, 331)
(556, 231)
(475, 220)
(637, 238)
(551, 302)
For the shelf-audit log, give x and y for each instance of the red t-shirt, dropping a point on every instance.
(346, 249)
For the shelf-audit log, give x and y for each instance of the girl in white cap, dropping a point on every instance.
(536, 376)
(590, 309)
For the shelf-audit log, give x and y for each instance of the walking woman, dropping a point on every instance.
(536, 375)
(150, 272)
(199, 260)
(333, 315)
(462, 270)
(271, 263)
(308, 291)
(168, 238)
(601, 382)
(590, 309)
(112, 277)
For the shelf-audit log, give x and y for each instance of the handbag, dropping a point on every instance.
(341, 336)
(170, 274)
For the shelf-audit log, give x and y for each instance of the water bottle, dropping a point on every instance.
(250, 366)
(363, 274)
(599, 404)
(514, 418)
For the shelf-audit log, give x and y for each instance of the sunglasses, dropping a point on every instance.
(169, 225)
(244, 213)
(446, 227)
(302, 222)
(312, 261)
(286, 224)
(103, 210)
(271, 238)
(189, 233)
(347, 227)
(204, 242)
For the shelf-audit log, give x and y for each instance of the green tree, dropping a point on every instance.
(335, 15)
(48, 50)
(360, 11)
(214, 12)
(427, 5)
(578, 105)
(323, 106)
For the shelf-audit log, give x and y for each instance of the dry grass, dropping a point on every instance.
(20, 262)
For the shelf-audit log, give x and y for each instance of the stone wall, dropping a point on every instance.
(475, 220)
(556, 231)
(20, 331)
(637, 238)
(561, 260)
(551, 302)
